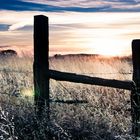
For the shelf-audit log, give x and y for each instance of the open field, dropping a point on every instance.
(106, 116)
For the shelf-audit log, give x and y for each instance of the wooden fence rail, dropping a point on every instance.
(72, 77)
(42, 74)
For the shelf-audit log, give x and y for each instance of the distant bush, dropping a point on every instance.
(8, 53)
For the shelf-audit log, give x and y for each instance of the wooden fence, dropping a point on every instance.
(42, 74)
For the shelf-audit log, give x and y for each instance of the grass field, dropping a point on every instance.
(106, 116)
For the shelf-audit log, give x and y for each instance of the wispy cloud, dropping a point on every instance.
(97, 5)
(14, 20)
(71, 5)
(68, 20)
(19, 25)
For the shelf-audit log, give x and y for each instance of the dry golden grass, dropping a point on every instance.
(106, 116)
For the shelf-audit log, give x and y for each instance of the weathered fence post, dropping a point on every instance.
(135, 96)
(41, 64)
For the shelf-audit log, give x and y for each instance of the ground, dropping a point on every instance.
(105, 116)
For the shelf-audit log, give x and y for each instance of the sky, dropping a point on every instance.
(104, 27)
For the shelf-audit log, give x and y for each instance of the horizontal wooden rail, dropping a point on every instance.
(72, 77)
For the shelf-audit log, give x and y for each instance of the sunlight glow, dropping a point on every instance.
(108, 47)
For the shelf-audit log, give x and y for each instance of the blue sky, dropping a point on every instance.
(116, 20)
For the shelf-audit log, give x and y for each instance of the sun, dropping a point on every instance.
(107, 47)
